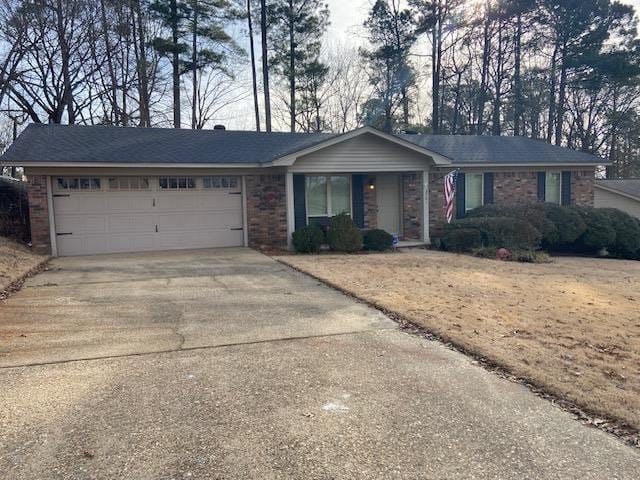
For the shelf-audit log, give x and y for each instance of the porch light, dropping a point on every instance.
(371, 184)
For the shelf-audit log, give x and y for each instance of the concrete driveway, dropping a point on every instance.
(225, 364)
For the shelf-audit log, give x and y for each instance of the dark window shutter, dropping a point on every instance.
(357, 192)
(299, 202)
(566, 188)
(542, 179)
(460, 196)
(488, 188)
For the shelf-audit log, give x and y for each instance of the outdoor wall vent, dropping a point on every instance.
(219, 127)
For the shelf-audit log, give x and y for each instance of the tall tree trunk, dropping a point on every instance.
(265, 65)
(141, 61)
(67, 95)
(456, 105)
(496, 127)
(194, 63)
(561, 95)
(405, 106)
(292, 70)
(482, 96)
(436, 58)
(175, 64)
(552, 95)
(517, 79)
(254, 78)
(112, 74)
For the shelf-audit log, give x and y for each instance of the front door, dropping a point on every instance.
(388, 199)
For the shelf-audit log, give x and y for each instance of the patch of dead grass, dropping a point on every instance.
(572, 326)
(16, 261)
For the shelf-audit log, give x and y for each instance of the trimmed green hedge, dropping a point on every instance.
(377, 240)
(499, 232)
(573, 229)
(308, 239)
(343, 235)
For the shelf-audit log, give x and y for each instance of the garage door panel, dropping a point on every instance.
(199, 221)
(81, 224)
(118, 202)
(128, 221)
(203, 239)
(136, 223)
(204, 201)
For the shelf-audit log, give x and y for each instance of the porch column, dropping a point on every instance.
(290, 209)
(426, 237)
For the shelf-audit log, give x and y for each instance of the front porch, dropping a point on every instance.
(396, 202)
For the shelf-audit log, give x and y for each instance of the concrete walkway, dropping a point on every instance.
(225, 364)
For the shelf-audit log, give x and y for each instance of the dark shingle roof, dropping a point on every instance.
(103, 144)
(630, 187)
(469, 149)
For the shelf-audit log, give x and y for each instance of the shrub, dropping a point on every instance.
(569, 226)
(308, 239)
(533, 213)
(599, 231)
(343, 235)
(627, 241)
(378, 240)
(461, 239)
(511, 233)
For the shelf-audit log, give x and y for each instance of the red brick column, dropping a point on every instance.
(39, 214)
(267, 211)
(582, 187)
(412, 206)
(370, 204)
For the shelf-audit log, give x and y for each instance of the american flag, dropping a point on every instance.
(450, 194)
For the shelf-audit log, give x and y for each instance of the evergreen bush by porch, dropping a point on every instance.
(343, 235)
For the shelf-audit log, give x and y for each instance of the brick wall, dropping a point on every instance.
(436, 198)
(370, 204)
(515, 187)
(267, 210)
(412, 205)
(582, 187)
(510, 188)
(39, 214)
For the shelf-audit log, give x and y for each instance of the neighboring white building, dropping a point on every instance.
(621, 194)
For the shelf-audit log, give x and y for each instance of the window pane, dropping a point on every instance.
(113, 184)
(163, 183)
(95, 184)
(340, 198)
(62, 183)
(316, 195)
(552, 187)
(206, 182)
(473, 190)
(191, 183)
(144, 184)
(233, 182)
(73, 183)
(173, 183)
(224, 181)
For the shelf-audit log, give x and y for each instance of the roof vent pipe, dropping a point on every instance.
(219, 127)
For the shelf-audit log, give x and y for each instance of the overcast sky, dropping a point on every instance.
(347, 17)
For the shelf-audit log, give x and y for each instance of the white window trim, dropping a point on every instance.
(467, 209)
(56, 188)
(329, 213)
(546, 175)
(196, 184)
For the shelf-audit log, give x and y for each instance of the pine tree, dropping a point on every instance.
(296, 27)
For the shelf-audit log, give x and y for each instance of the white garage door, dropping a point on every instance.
(132, 214)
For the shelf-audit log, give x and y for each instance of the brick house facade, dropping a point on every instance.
(254, 189)
(39, 213)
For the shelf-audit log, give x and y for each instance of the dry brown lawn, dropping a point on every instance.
(571, 326)
(15, 262)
